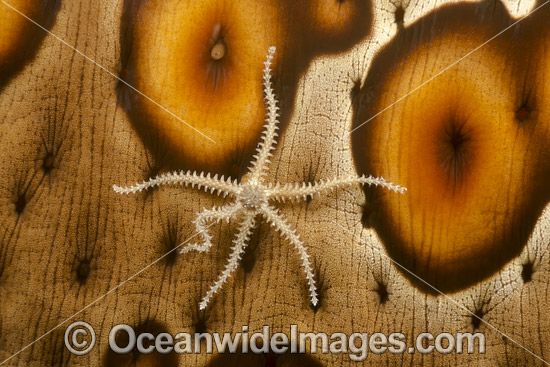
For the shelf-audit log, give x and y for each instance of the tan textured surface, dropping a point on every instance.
(64, 105)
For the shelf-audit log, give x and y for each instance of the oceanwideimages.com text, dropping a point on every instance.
(357, 345)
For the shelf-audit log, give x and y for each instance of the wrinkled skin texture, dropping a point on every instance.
(66, 238)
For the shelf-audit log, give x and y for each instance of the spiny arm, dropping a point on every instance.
(217, 214)
(212, 184)
(269, 136)
(290, 234)
(239, 245)
(298, 191)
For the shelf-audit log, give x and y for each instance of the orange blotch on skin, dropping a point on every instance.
(203, 63)
(475, 176)
(332, 15)
(329, 25)
(19, 37)
(11, 26)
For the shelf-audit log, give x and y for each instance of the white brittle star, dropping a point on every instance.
(252, 197)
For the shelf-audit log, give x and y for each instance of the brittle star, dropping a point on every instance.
(252, 196)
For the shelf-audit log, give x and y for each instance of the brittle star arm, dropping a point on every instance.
(269, 136)
(296, 191)
(214, 184)
(239, 245)
(279, 223)
(217, 214)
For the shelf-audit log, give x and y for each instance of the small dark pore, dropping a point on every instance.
(522, 114)
(250, 255)
(383, 293)
(83, 271)
(249, 259)
(47, 164)
(527, 272)
(169, 242)
(317, 306)
(20, 204)
(355, 90)
(476, 318)
(200, 324)
(456, 140)
(399, 16)
(454, 151)
(172, 256)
